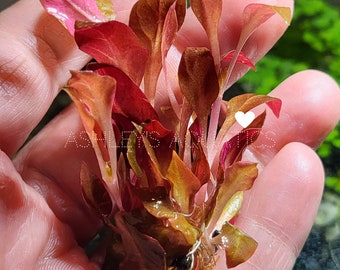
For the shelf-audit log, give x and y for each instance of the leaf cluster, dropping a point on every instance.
(171, 176)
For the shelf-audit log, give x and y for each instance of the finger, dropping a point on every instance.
(36, 54)
(310, 111)
(31, 236)
(279, 210)
(50, 163)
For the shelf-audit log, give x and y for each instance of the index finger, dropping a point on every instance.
(35, 55)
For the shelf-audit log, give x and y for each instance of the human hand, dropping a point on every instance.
(43, 220)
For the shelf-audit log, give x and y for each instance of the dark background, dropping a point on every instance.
(6, 3)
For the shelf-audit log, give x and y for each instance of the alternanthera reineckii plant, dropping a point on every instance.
(171, 175)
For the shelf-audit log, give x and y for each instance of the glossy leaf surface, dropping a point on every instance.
(171, 184)
(184, 184)
(237, 177)
(147, 19)
(70, 11)
(238, 246)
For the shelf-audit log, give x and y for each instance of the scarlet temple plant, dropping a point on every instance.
(171, 176)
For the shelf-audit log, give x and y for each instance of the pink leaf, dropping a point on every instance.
(116, 44)
(70, 11)
(241, 58)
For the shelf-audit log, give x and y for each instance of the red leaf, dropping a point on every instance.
(254, 15)
(232, 150)
(244, 103)
(200, 165)
(162, 141)
(129, 100)
(241, 58)
(114, 43)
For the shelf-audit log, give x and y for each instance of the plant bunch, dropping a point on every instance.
(171, 171)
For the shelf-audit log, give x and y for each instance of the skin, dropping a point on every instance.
(43, 220)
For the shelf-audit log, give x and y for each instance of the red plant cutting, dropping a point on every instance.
(171, 171)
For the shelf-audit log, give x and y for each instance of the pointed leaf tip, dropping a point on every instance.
(285, 13)
(241, 58)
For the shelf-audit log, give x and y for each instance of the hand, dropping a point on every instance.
(43, 220)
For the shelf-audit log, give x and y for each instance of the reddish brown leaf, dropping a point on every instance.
(162, 141)
(198, 80)
(141, 251)
(95, 192)
(114, 43)
(208, 12)
(200, 166)
(233, 149)
(147, 19)
(244, 103)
